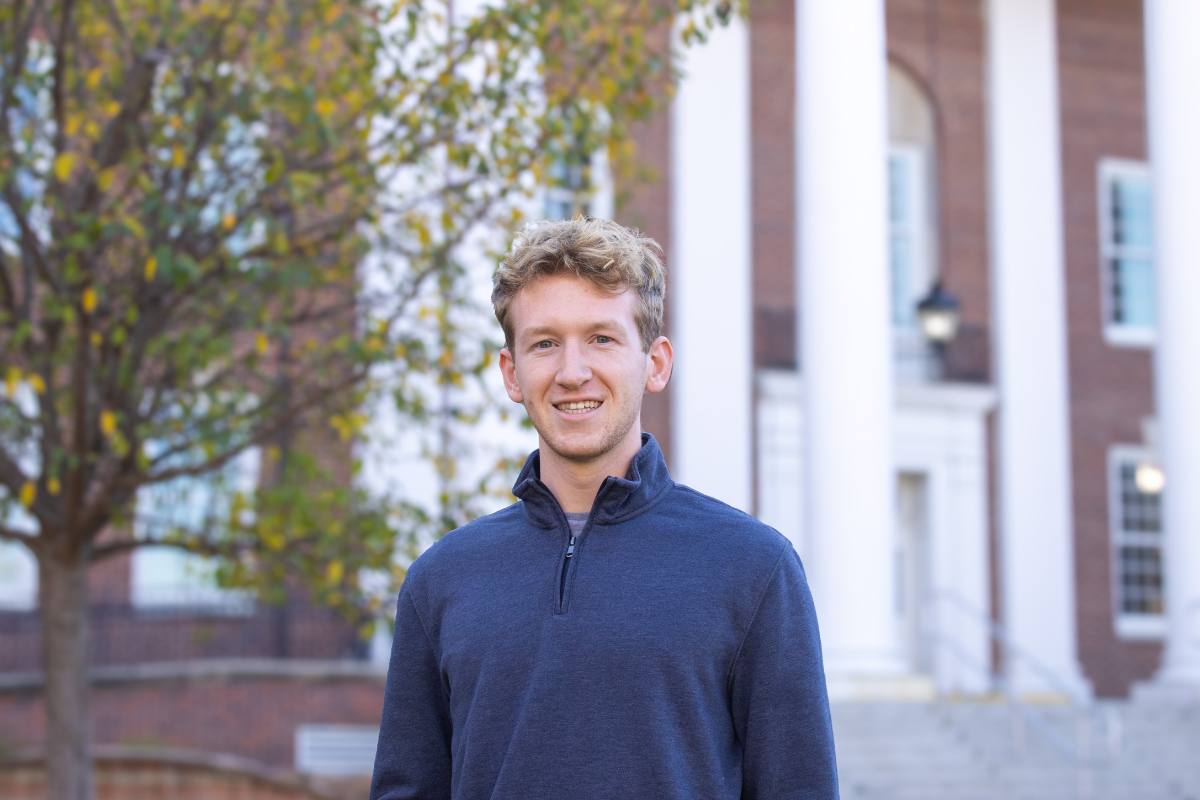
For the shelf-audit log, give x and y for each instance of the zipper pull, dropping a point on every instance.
(571, 546)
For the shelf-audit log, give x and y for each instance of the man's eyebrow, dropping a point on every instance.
(540, 330)
(547, 330)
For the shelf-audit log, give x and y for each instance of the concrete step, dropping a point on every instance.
(966, 751)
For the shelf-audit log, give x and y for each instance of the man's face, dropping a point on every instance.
(578, 366)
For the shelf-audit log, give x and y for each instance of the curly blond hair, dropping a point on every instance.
(614, 258)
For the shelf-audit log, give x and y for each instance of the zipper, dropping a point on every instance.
(573, 541)
(562, 583)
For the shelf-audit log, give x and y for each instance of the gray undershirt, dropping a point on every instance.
(576, 521)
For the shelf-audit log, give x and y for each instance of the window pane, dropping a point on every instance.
(1133, 291)
(1141, 580)
(901, 243)
(18, 577)
(1132, 223)
(169, 576)
(901, 261)
(557, 208)
(898, 189)
(1140, 512)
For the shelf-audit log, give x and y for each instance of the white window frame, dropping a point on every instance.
(1117, 334)
(1128, 625)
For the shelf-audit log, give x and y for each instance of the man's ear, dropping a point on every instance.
(508, 368)
(662, 361)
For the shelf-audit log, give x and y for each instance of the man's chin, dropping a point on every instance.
(580, 452)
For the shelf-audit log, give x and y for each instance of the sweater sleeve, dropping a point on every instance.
(779, 701)
(412, 761)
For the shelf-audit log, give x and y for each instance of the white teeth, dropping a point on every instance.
(579, 407)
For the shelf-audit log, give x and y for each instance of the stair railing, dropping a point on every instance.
(1076, 750)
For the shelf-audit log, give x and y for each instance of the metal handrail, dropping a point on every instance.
(1075, 753)
(999, 635)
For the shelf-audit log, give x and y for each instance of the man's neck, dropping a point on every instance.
(574, 484)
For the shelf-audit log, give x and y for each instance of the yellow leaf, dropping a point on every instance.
(333, 574)
(325, 107)
(275, 541)
(105, 179)
(37, 383)
(10, 380)
(229, 221)
(332, 12)
(108, 423)
(178, 156)
(112, 108)
(62, 166)
(89, 300)
(134, 226)
(73, 123)
(53, 486)
(28, 493)
(151, 267)
(93, 77)
(97, 339)
(91, 129)
(261, 342)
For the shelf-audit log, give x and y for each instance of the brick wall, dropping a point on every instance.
(119, 633)
(251, 717)
(156, 782)
(646, 205)
(939, 43)
(1103, 114)
(773, 170)
(144, 773)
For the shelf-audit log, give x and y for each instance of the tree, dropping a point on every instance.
(188, 191)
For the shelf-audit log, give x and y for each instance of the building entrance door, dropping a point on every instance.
(912, 568)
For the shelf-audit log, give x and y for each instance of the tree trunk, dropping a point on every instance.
(63, 579)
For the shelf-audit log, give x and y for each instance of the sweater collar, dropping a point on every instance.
(618, 498)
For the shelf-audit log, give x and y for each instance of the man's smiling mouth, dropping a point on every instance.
(581, 407)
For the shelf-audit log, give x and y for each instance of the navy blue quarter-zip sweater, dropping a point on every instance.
(673, 654)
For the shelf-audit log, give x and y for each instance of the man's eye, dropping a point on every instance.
(544, 345)
(603, 340)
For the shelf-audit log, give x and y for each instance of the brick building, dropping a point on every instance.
(1013, 473)
(820, 178)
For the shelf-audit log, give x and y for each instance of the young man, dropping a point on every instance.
(614, 634)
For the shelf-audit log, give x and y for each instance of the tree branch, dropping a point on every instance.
(60, 73)
(26, 539)
(10, 474)
(14, 70)
(110, 549)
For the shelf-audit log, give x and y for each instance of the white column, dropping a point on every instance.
(709, 278)
(845, 336)
(1172, 66)
(1030, 347)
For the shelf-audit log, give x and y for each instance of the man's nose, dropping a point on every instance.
(573, 372)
